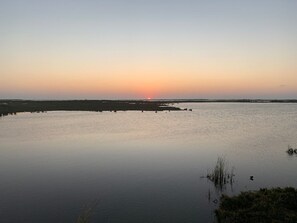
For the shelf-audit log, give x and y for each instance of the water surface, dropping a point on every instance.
(139, 166)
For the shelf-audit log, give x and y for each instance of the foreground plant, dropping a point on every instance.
(266, 205)
(85, 216)
(221, 175)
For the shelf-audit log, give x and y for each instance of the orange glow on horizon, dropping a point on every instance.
(155, 81)
(152, 86)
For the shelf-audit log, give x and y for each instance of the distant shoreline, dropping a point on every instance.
(227, 100)
(14, 106)
(11, 107)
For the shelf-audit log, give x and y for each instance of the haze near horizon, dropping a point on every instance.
(148, 49)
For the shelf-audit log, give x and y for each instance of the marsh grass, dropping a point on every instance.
(221, 175)
(87, 212)
(265, 205)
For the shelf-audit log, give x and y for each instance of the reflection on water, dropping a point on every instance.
(141, 167)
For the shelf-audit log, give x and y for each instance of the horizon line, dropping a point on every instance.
(157, 99)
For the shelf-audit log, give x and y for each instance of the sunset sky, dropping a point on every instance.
(119, 49)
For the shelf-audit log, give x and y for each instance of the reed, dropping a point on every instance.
(85, 216)
(221, 175)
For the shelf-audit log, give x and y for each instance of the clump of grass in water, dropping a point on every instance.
(220, 175)
(85, 216)
(291, 151)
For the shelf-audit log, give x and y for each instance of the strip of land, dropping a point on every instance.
(8, 107)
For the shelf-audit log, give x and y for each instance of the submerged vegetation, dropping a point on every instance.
(221, 175)
(266, 205)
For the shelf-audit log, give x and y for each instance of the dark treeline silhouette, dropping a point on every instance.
(11, 107)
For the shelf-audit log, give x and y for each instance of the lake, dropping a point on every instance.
(140, 166)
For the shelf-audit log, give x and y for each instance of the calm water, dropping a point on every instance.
(140, 167)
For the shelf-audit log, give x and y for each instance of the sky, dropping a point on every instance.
(134, 49)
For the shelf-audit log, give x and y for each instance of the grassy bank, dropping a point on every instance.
(266, 205)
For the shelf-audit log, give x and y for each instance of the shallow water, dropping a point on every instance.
(140, 167)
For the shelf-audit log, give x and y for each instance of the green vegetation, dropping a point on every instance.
(220, 175)
(264, 206)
